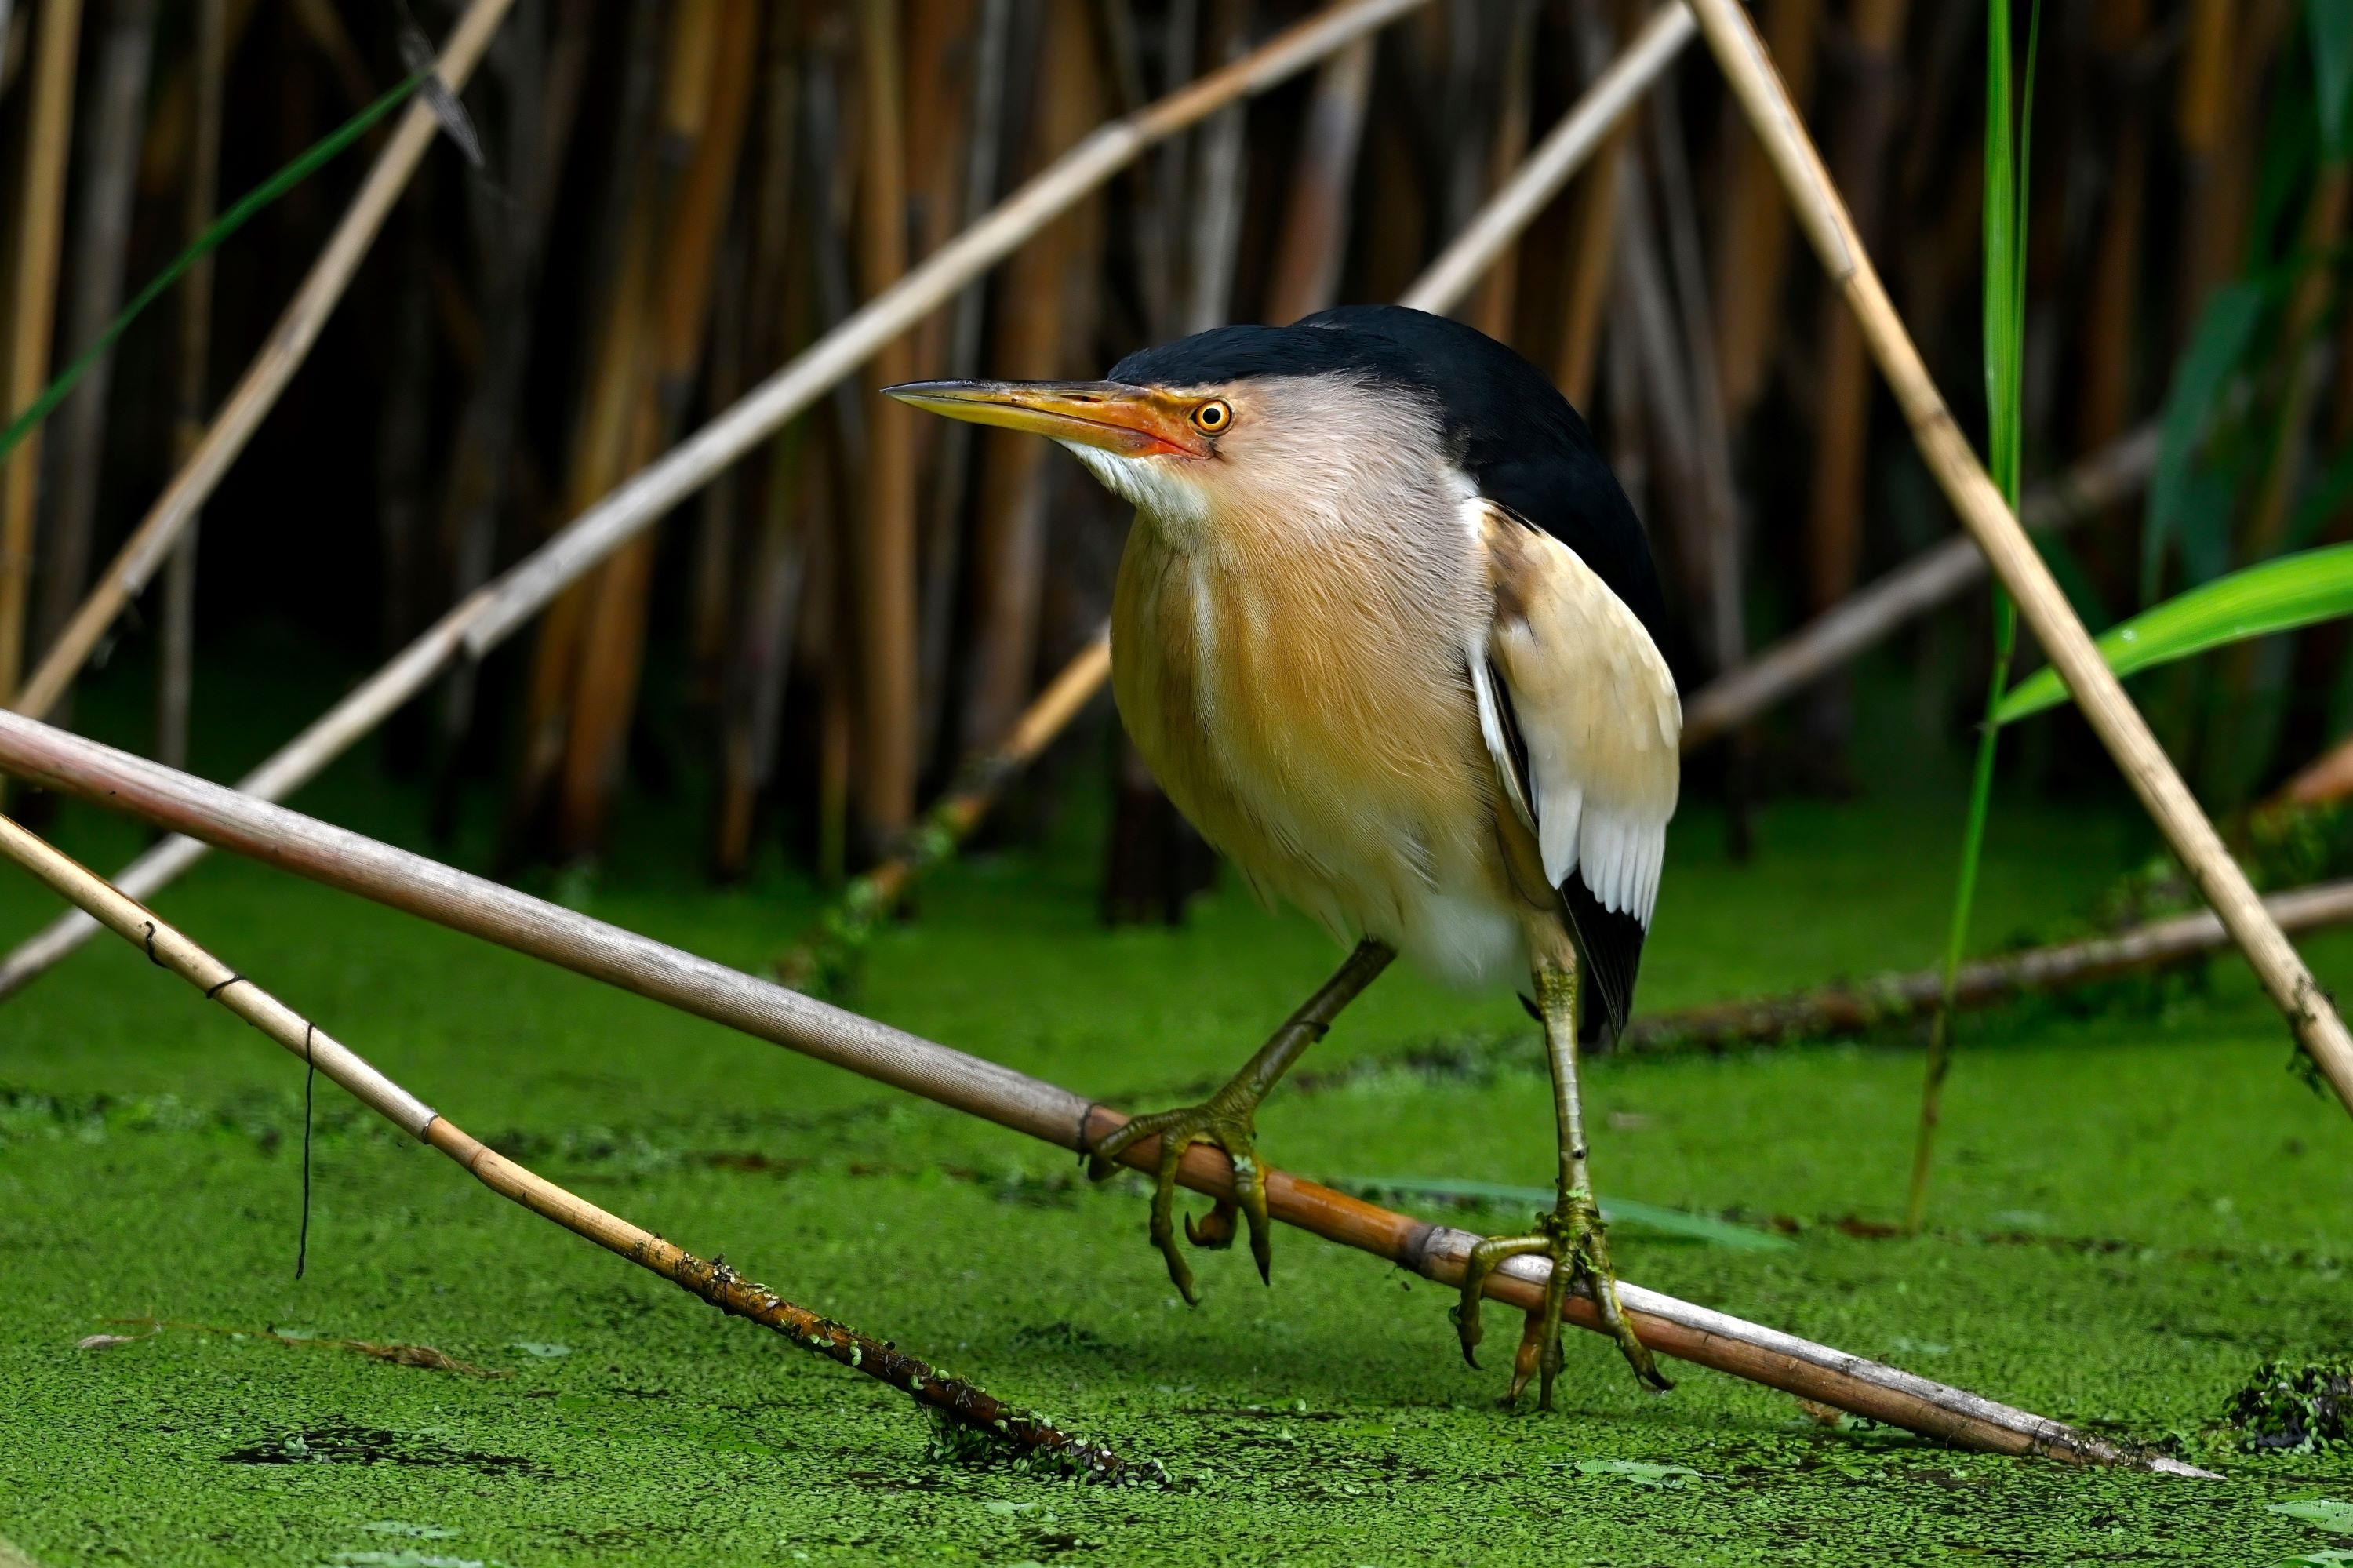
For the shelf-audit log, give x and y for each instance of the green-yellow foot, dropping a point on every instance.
(1573, 1238)
(1225, 1120)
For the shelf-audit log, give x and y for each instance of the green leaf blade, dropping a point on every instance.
(2277, 595)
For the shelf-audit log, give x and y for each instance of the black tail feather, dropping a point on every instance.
(1611, 944)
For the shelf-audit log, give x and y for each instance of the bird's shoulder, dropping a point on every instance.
(1519, 441)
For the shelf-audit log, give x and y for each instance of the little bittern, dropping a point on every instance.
(1388, 631)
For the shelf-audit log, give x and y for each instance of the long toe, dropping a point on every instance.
(1179, 1130)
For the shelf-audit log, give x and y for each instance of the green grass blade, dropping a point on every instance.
(1616, 1211)
(2275, 595)
(2008, 152)
(228, 223)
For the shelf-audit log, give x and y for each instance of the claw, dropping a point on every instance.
(1572, 1236)
(1178, 1131)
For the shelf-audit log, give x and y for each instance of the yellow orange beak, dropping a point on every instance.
(1134, 421)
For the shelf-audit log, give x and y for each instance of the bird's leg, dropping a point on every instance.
(1228, 1120)
(1571, 1236)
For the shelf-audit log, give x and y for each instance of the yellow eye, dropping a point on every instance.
(1213, 416)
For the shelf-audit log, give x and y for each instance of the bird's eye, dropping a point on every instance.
(1213, 416)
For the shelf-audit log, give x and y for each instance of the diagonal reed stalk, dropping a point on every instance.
(947, 1397)
(2009, 149)
(70, 764)
(281, 355)
(244, 209)
(489, 616)
(1993, 523)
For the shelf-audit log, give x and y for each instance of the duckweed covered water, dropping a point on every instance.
(2137, 1206)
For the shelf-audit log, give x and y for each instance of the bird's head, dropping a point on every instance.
(1241, 422)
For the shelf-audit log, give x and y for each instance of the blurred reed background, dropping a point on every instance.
(679, 196)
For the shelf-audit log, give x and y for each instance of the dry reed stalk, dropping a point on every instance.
(2229, 45)
(2112, 299)
(942, 46)
(713, 1280)
(282, 353)
(170, 117)
(884, 529)
(75, 455)
(13, 28)
(1306, 269)
(984, 141)
(1563, 150)
(404, 433)
(619, 308)
(401, 880)
(710, 593)
(175, 645)
(1039, 327)
(1660, 381)
(1963, 478)
(766, 605)
(1212, 218)
(723, 50)
(39, 231)
(1853, 1007)
(484, 619)
(1491, 307)
(324, 27)
(604, 452)
(544, 69)
(1934, 577)
(1592, 251)
(1864, 131)
(1752, 255)
(2201, 123)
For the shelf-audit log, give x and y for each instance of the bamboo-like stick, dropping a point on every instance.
(1563, 148)
(1935, 576)
(483, 620)
(713, 1280)
(1987, 517)
(48, 132)
(341, 859)
(281, 355)
(1305, 275)
(1849, 1007)
(175, 645)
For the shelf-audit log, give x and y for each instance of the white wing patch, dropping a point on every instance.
(1597, 714)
